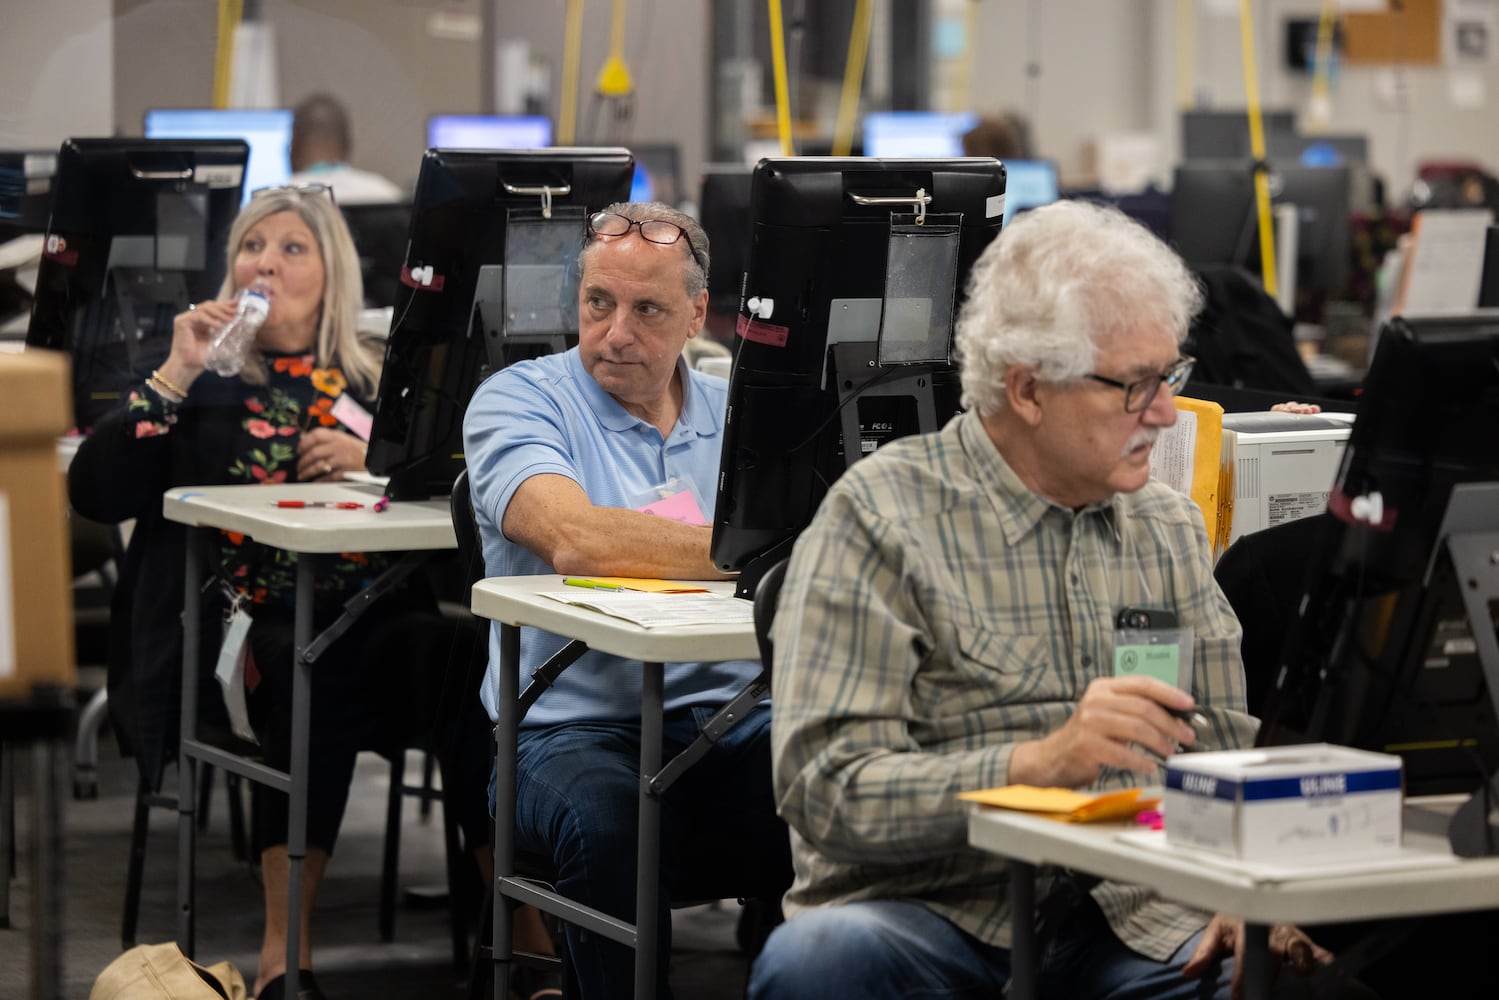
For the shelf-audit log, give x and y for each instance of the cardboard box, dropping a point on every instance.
(1285, 803)
(36, 597)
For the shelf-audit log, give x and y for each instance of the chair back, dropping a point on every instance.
(767, 593)
(465, 528)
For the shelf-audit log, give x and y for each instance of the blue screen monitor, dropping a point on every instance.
(489, 132)
(267, 130)
(920, 134)
(658, 173)
(1029, 184)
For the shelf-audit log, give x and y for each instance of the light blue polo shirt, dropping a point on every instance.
(549, 416)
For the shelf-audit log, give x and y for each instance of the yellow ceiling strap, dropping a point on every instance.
(1320, 109)
(614, 77)
(1257, 150)
(230, 12)
(778, 65)
(853, 78)
(571, 59)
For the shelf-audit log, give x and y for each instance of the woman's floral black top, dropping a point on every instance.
(296, 397)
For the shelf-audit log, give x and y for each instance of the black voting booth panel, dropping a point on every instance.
(138, 229)
(490, 278)
(1394, 646)
(856, 269)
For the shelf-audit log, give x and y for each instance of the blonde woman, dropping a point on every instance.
(278, 421)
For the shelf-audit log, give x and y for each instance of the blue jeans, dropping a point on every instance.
(900, 949)
(577, 798)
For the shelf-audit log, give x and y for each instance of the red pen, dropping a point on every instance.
(331, 504)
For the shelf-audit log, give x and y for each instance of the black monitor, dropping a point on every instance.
(1317, 150)
(1393, 647)
(1215, 220)
(379, 231)
(1488, 283)
(838, 353)
(723, 209)
(489, 278)
(658, 173)
(138, 229)
(1224, 135)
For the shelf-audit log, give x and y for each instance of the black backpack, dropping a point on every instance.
(1242, 339)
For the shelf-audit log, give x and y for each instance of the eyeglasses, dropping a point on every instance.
(1142, 391)
(654, 230)
(326, 190)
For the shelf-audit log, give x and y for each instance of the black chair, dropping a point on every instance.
(471, 555)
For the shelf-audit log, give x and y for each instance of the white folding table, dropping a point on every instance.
(1431, 880)
(413, 527)
(514, 602)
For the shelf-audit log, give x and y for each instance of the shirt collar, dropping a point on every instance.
(697, 417)
(1020, 509)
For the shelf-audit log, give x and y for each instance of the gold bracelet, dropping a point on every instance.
(166, 384)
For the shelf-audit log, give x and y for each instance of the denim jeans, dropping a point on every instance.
(900, 949)
(577, 797)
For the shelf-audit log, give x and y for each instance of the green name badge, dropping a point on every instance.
(1161, 661)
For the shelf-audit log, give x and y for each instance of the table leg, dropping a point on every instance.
(301, 718)
(505, 733)
(46, 872)
(1025, 963)
(648, 847)
(1257, 971)
(7, 829)
(187, 765)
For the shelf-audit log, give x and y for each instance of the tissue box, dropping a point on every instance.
(1285, 803)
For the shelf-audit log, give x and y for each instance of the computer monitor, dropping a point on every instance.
(916, 134)
(379, 231)
(1394, 645)
(1029, 184)
(658, 173)
(839, 350)
(1488, 283)
(139, 229)
(723, 209)
(266, 130)
(1317, 150)
(489, 132)
(490, 278)
(1224, 135)
(1214, 220)
(25, 190)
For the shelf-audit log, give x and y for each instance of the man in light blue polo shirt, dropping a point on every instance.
(564, 453)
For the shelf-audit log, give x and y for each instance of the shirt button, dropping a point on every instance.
(1087, 660)
(1074, 579)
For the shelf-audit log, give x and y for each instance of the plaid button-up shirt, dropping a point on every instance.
(935, 614)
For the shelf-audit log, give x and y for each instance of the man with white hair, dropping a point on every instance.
(948, 624)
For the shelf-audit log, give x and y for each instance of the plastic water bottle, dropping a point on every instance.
(229, 347)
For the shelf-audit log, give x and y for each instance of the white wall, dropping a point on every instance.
(1094, 70)
(1428, 126)
(666, 51)
(56, 66)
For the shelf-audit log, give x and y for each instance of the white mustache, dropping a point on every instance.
(1143, 436)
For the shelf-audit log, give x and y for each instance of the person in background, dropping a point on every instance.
(562, 453)
(321, 144)
(1004, 137)
(376, 687)
(947, 625)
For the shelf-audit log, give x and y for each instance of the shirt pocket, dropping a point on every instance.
(979, 664)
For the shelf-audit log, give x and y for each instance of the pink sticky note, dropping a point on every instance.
(677, 507)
